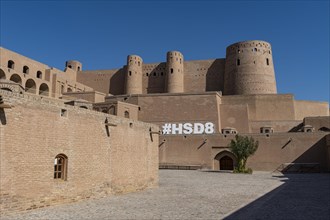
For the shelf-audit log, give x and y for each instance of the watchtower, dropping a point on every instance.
(175, 72)
(134, 75)
(249, 69)
(73, 65)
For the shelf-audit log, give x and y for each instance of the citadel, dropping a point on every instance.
(77, 134)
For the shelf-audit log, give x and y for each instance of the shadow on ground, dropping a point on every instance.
(302, 196)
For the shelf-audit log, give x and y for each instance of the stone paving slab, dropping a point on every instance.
(207, 195)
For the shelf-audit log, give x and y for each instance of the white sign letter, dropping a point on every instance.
(176, 129)
(198, 128)
(209, 128)
(187, 128)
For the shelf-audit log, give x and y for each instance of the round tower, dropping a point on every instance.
(74, 65)
(249, 69)
(134, 75)
(174, 71)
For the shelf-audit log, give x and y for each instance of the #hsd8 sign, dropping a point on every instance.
(188, 128)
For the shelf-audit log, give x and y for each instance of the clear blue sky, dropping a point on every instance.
(100, 34)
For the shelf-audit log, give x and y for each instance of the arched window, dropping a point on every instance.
(25, 69)
(11, 64)
(171, 70)
(60, 167)
(39, 74)
(126, 114)
(238, 62)
(78, 68)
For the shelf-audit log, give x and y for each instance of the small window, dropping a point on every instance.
(39, 74)
(25, 69)
(60, 167)
(126, 114)
(11, 64)
(238, 62)
(78, 68)
(147, 74)
(139, 63)
(64, 113)
(171, 70)
(255, 49)
(154, 74)
(130, 73)
(180, 60)
(112, 110)
(70, 66)
(267, 61)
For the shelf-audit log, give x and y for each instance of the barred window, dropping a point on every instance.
(60, 167)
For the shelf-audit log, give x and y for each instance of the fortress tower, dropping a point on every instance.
(73, 65)
(249, 69)
(174, 71)
(134, 75)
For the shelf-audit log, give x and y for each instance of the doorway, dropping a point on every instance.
(226, 163)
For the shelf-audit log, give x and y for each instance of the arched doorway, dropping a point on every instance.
(225, 160)
(30, 86)
(16, 78)
(226, 163)
(43, 89)
(2, 74)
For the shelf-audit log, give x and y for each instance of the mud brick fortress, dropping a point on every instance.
(75, 134)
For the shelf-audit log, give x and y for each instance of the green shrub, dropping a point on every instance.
(243, 147)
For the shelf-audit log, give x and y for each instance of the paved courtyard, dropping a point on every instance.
(207, 195)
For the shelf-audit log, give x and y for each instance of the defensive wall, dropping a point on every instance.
(275, 151)
(245, 113)
(247, 69)
(103, 154)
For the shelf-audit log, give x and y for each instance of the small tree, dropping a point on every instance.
(243, 147)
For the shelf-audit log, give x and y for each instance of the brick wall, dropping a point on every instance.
(101, 160)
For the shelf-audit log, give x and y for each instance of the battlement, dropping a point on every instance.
(248, 68)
